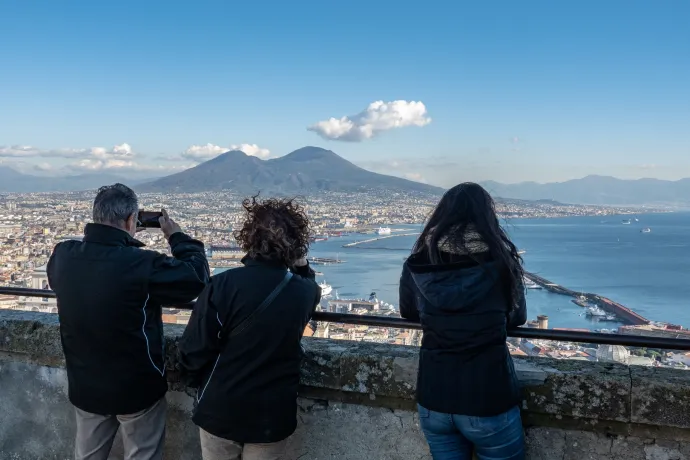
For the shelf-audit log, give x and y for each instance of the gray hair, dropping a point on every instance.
(114, 203)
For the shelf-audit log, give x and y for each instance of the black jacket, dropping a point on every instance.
(464, 364)
(248, 385)
(109, 295)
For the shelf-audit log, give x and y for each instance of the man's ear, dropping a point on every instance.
(131, 224)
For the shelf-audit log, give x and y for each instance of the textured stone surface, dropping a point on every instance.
(575, 410)
(355, 432)
(571, 388)
(660, 397)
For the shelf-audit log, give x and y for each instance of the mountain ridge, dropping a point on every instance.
(13, 181)
(599, 190)
(306, 169)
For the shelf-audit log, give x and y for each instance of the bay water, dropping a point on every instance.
(647, 272)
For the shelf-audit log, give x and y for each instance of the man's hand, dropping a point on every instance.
(301, 262)
(168, 226)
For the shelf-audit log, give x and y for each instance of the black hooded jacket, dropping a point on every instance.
(464, 309)
(248, 383)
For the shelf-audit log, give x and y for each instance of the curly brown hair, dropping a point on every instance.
(275, 229)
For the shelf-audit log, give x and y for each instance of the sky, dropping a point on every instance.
(440, 92)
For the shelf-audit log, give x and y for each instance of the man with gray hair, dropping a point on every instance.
(109, 294)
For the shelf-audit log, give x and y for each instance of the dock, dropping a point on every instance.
(619, 311)
(371, 240)
(324, 261)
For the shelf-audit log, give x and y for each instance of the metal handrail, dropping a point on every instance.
(388, 321)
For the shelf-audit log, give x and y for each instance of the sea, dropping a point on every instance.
(647, 272)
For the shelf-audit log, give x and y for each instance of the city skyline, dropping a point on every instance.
(501, 92)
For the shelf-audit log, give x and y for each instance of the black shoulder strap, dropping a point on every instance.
(249, 320)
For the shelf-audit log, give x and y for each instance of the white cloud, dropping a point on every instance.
(25, 151)
(378, 117)
(201, 153)
(252, 150)
(415, 177)
(123, 165)
(123, 149)
(43, 167)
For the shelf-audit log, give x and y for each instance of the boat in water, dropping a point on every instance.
(581, 302)
(646, 230)
(326, 289)
(609, 318)
(595, 312)
(627, 222)
(384, 231)
(529, 284)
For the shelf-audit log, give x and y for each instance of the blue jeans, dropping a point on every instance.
(454, 437)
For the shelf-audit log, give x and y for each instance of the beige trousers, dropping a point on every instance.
(215, 448)
(143, 434)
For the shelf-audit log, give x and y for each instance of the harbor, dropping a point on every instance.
(598, 306)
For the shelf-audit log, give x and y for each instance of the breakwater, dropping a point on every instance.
(324, 261)
(620, 311)
(371, 240)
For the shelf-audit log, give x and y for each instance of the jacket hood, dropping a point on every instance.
(453, 286)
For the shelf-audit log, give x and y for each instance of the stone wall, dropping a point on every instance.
(358, 403)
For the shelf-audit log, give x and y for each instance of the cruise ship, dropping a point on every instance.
(326, 289)
(384, 231)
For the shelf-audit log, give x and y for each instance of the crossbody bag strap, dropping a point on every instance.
(249, 320)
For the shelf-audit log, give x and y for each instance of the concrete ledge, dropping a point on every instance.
(605, 409)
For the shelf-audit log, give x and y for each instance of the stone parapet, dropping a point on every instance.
(596, 410)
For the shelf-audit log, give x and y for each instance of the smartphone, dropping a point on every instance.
(149, 219)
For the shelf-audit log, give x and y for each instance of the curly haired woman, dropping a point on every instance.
(242, 345)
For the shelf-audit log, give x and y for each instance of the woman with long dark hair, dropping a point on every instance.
(464, 283)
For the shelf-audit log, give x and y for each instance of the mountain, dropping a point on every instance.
(15, 182)
(305, 169)
(599, 190)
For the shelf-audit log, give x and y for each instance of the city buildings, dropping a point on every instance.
(31, 224)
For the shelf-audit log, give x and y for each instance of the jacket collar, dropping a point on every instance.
(254, 261)
(105, 234)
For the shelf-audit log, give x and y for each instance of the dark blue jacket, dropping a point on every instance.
(464, 309)
(109, 298)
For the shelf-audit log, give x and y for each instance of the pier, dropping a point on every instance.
(620, 311)
(324, 261)
(371, 240)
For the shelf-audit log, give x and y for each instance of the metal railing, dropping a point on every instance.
(388, 321)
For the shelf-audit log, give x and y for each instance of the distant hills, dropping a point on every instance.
(314, 169)
(307, 169)
(16, 182)
(599, 190)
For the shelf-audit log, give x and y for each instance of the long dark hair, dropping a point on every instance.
(466, 209)
(275, 229)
